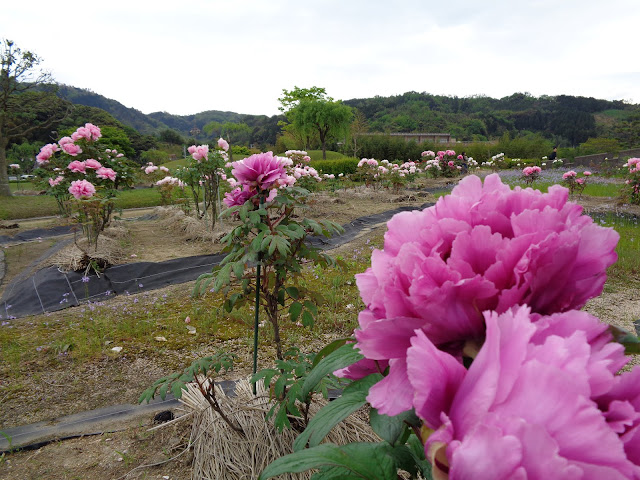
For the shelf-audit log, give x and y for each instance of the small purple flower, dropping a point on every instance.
(140, 285)
(85, 279)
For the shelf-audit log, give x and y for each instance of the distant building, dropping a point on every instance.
(421, 137)
(426, 137)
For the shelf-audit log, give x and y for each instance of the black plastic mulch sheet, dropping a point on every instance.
(37, 233)
(49, 289)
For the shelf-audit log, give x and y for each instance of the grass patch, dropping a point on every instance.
(22, 186)
(140, 197)
(617, 114)
(317, 155)
(628, 264)
(27, 207)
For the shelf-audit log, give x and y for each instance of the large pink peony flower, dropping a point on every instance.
(82, 189)
(93, 164)
(77, 166)
(223, 144)
(46, 152)
(71, 148)
(106, 173)
(89, 132)
(238, 196)
(480, 248)
(260, 171)
(200, 152)
(531, 404)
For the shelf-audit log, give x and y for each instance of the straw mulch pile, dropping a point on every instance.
(189, 228)
(79, 255)
(220, 453)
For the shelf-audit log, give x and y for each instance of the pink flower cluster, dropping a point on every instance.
(89, 132)
(170, 181)
(633, 164)
(106, 173)
(370, 162)
(46, 153)
(527, 171)
(200, 152)
(150, 168)
(223, 144)
(428, 153)
(82, 189)
(14, 166)
(298, 156)
(77, 166)
(306, 171)
(70, 148)
(497, 275)
(569, 174)
(55, 181)
(256, 174)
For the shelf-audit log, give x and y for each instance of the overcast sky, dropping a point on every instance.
(237, 55)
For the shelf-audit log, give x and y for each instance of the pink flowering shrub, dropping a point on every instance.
(444, 163)
(574, 182)
(631, 189)
(203, 175)
(531, 174)
(168, 186)
(84, 176)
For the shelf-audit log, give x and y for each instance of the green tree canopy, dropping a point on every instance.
(22, 109)
(329, 119)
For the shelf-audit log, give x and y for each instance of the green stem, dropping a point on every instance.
(255, 323)
(255, 326)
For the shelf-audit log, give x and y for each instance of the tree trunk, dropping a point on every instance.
(4, 176)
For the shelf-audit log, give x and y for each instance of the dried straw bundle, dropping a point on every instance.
(78, 256)
(220, 453)
(189, 228)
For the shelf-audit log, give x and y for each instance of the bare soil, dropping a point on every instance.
(63, 387)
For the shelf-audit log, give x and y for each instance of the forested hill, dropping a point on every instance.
(479, 118)
(128, 116)
(564, 119)
(263, 128)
